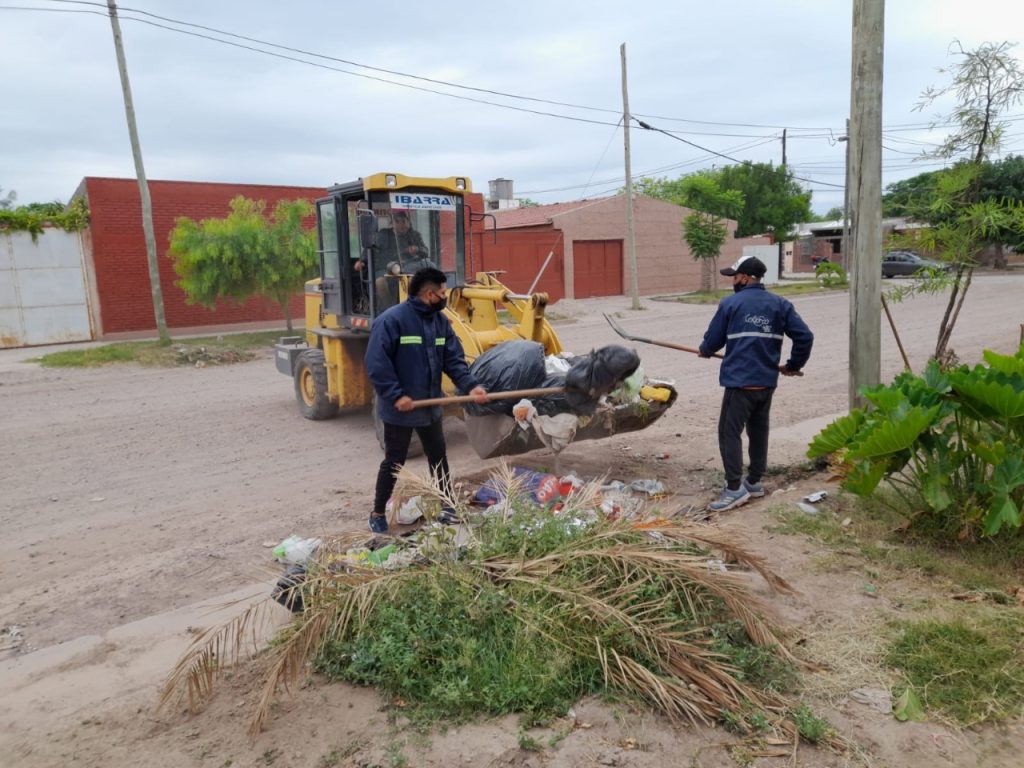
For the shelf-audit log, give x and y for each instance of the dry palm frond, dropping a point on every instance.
(212, 650)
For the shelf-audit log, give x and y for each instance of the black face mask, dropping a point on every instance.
(737, 287)
(439, 306)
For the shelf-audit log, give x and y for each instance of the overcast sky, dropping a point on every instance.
(726, 75)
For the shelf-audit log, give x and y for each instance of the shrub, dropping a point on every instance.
(950, 442)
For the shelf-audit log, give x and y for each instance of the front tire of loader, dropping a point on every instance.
(311, 386)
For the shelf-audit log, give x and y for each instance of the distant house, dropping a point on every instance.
(824, 239)
(588, 244)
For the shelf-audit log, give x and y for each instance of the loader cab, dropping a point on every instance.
(376, 232)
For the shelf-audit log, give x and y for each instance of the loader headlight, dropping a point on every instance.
(391, 180)
(460, 183)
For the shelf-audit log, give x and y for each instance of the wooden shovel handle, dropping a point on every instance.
(510, 395)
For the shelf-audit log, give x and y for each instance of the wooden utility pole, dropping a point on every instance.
(634, 288)
(865, 197)
(140, 172)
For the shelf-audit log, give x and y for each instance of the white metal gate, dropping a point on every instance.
(43, 296)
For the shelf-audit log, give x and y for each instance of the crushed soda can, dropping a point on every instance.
(816, 496)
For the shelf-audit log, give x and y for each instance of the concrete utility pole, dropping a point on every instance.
(140, 172)
(634, 288)
(846, 263)
(865, 197)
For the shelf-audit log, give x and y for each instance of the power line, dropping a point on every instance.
(435, 81)
(652, 171)
(648, 127)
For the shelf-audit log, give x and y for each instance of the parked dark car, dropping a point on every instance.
(907, 263)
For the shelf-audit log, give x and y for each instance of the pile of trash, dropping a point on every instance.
(201, 357)
(590, 501)
(605, 392)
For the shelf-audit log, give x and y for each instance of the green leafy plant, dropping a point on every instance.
(246, 254)
(35, 217)
(830, 275)
(950, 442)
(811, 727)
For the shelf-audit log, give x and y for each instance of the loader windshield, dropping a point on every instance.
(416, 229)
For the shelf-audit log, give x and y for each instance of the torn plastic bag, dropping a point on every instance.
(597, 374)
(556, 432)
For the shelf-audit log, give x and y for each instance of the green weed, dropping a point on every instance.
(969, 669)
(528, 743)
(811, 727)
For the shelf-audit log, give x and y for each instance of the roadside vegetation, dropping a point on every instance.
(200, 352)
(528, 613)
(950, 444)
(787, 289)
(961, 657)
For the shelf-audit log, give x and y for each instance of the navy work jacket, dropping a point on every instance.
(410, 347)
(751, 325)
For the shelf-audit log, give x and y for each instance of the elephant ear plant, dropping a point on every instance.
(950, 443)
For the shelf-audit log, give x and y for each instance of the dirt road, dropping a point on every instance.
(128, 492)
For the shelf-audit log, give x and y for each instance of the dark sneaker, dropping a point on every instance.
(730, 500)
(756, 490)
(379, 523)
(448, 516)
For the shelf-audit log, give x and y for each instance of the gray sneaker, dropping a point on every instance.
(730, 500)
(756, 490)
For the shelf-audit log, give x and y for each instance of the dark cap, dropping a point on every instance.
(747, 265)
(399, 215)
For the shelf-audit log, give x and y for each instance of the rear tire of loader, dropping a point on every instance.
(415, 447)
(311, 386)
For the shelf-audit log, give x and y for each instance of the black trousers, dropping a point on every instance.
(396, 450)
(744, 409)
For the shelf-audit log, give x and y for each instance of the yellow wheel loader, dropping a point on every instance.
(374, 233)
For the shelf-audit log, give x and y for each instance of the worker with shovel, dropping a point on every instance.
(411, 346)
(751, 326)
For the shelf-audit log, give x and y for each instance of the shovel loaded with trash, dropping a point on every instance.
(537, 401)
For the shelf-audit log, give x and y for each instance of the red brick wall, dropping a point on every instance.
(119, 251)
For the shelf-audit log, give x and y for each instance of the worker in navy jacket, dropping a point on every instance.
(751, 325)
(411, 345)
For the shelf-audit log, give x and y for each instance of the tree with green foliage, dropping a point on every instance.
(669, 190)
(773, 201)
(705, 229)
(986, 83)
(246, 254)
(1000, 180)
(909, 197)
(835, 213)
(7, 201)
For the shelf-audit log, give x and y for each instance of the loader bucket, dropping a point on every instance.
(500, 435)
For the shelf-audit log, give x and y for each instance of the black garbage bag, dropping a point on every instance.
(594, 375)
(552, 405)
(288, 590)
(509, 366)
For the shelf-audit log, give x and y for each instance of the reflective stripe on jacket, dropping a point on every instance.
(410, 347)
(751, 325)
